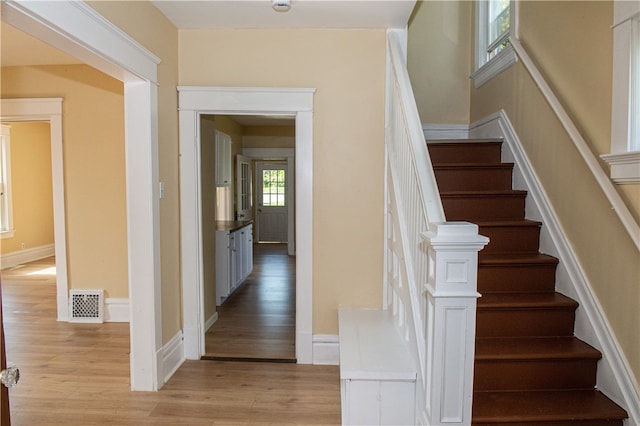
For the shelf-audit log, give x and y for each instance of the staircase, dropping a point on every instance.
(529, 368)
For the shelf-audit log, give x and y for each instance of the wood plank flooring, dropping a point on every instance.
(258, 320)
(78, 374)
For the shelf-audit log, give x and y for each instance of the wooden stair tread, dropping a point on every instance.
(465, 142)
(508, 223)
(521, 348)
(546, 300)
(440, 166)
(524, 328)
(485, 193)
(540, 406)
(515, 259)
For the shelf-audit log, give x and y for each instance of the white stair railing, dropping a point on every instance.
(431, 265)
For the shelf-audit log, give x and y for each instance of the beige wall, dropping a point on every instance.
(32, 196)
(93, 135)
(439, 60)
(603, 247)
(347, 67)
(142, 21)
(579, 69)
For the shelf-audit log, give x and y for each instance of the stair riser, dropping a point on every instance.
(511, 239)
(464, 153)
(465, 179)
(524, 322)
(536, 278)
(500, 375)
(469, 208)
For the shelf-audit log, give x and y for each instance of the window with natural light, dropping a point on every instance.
(498, 37)
(6, 210)
(273, 188)
(493, 29)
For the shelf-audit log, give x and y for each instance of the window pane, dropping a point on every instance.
(273, 188)
(498, 26)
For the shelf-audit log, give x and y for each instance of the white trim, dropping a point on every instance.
(50, 110)
(495, 66)
(9, 260)
(116, 310)
(171, 356)
(210, 321)
(75, 28)
(194, 101)
(326, 349)
(270, 153)
(7, 230)
(615, 376)
(445, 131)
(625, 167)
(288, 154)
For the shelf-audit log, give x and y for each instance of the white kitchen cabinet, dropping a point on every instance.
(234, 257)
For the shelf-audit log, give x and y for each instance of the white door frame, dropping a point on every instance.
(49, 110)
(194, 102)
(78, 30)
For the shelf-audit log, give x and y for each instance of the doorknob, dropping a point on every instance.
(10, 376)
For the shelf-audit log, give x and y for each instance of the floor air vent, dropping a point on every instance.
(86, 306)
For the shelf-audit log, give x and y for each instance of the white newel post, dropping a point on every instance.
(451, 292)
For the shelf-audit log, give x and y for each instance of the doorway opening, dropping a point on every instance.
(255, 305)
(49, 111)
(195, 102)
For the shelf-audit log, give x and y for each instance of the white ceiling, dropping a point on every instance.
(189, 14)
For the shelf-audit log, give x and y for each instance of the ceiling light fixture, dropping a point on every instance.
(281, 5)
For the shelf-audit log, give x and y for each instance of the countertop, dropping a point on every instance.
(231, 225)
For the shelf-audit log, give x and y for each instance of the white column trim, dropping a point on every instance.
(194, 101)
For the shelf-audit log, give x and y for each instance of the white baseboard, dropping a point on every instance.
(9, 260)
(615, 376)
(116, 310)
(171, 356)
(445, 131)
(209, 323)
(326, 349)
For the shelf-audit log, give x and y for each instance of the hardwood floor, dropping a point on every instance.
(78, 374)
(258, 320)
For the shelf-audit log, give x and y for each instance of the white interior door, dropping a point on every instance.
(272, 217)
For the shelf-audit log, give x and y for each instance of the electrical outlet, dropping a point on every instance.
(23, 246)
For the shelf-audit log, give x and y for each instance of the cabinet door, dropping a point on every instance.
(233, 261)
(240, 243)
(248, 251)
(223, 266)
(223, 159)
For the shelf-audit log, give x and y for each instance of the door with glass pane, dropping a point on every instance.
(243, 188)
(271, 194)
